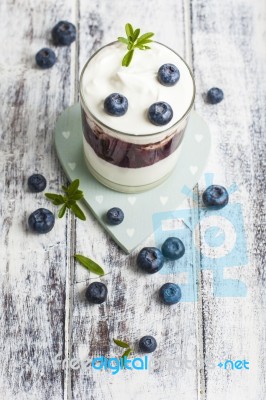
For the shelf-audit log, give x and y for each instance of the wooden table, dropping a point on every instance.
(43, 312)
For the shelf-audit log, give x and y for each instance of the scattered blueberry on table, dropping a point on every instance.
(147, 344)
(170, 293)
(150, 260)
(41, 220)
(215, 197)
(45, 58)
(114, 216)
(116, 104)
(173, 248)
(160, 113)
(168, 74)
(96, 292)
(36, 183)
(64, 33)
(215, 95)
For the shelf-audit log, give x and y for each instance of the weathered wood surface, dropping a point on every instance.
(228, 47)
(34, 269)
(42, 308)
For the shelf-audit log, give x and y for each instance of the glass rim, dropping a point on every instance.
(83, 103)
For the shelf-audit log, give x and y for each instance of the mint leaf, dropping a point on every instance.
(126, 353)
(127, 58)
(76, 196)
(56, 199)
(70, 203)
(69, 200)
(135, 35)
(133, 41)
(89, 264)
(62, 211)
(129, 29)
(73, 187)
(122, 40)
(78, 212)
(120, 343)
(52, 196)
(144, 37)
(144, 47)
(58, 202)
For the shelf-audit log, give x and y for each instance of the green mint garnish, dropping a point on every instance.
(89, 264)
(126, 353)
(125, 345)
(134, 41)
(69, 200)
(120, 343)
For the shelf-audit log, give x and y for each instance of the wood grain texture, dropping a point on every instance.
(228, 41)
(43, 312)
(33, 267)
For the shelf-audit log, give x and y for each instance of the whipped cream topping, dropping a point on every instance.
(104, 75)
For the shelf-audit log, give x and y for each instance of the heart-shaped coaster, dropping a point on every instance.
(140, 207)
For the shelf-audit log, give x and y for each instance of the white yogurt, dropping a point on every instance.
(104, 75)
(130, 177)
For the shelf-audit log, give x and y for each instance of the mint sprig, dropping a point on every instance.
(89, 264)
(72, 194)
(134, 41)
(124, 345)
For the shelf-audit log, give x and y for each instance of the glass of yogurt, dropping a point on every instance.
(129, 153)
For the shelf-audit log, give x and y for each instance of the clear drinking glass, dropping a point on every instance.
(127, 162)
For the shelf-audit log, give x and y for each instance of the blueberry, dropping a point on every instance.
(160, 113)
(173, 248)
(168, 74)
(170, 293)
(64, 33)
(215, 95)
(150, 260)
(41, 220)
(96, 292)
(45, 58)
(116, 104)
(114, 216)
(215, 197)
(36, 183)
(147, 344)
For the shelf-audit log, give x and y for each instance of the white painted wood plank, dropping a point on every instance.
(33, 267)
(132, 309)
(229, 52)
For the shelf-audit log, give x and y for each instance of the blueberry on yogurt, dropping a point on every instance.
(168, 74)
(116, 104)
(160, 113)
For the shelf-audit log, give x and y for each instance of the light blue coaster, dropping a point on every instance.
(138, 208)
